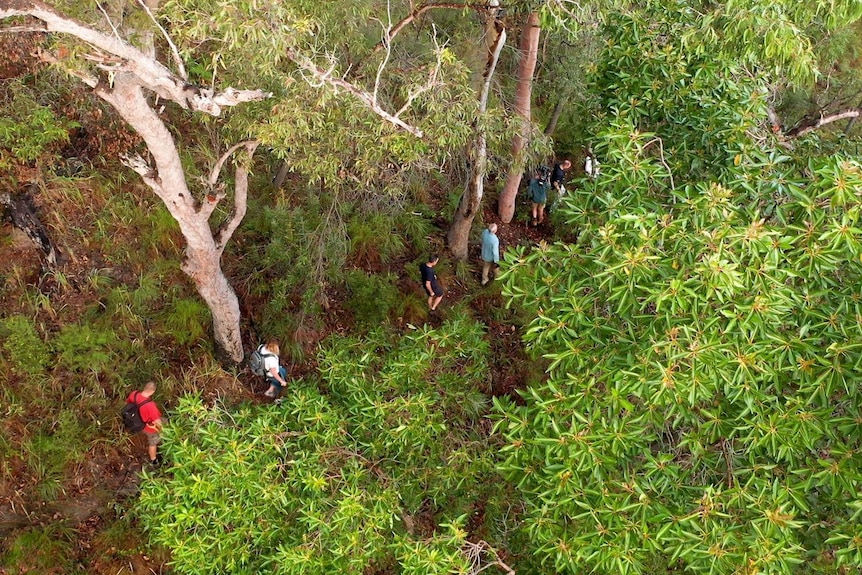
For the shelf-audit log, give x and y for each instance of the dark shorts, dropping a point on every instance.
(435, 287)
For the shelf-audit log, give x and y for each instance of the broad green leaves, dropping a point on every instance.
(379, 473)
(704, 376)
(702, 407)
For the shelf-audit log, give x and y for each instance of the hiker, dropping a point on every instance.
(538, 189)
(152, 418)
(275, 373)
(490, 251)
(558, 175)
(429, 282)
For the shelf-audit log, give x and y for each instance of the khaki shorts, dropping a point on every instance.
(153, 438)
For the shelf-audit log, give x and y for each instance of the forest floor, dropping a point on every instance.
(107, 479)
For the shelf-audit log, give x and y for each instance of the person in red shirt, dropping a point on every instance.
(152, 418)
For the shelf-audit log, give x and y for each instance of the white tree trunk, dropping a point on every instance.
(471, 201)
(132, 72)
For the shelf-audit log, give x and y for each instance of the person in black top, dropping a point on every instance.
(559, 173)
(429, 282)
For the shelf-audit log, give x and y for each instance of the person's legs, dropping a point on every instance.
(533, 209)
(434, 300)
(486, 267)
(153, 440)
(541, 208)
(274, 387)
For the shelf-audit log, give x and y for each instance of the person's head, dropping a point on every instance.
(433, 259)
(272, 346)
(492, 228)
(566, 164)
(149, 388)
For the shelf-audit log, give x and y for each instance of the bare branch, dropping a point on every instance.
(151, 73)
(181, 69)
(661, 157)
(108, 19)
(325, 77)
(809, 125)
(240, 194)
(417, 12)
(432, 82)
(387, 42)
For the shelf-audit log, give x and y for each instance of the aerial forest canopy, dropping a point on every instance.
(665, 379)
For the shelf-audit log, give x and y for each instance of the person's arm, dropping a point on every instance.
(157, 423)
(274, 372)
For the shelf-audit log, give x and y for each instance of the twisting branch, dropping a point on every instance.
(216, 171)
(809, 125)
(240, 194)
(475, 551)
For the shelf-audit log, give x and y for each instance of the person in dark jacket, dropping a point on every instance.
(429, 282)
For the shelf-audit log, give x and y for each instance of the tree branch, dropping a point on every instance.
(661, 157)
(325, 77)
(431, 83)
(181, 69)
(152, 74)
(809, 124)
(433, 6)
(240, 194)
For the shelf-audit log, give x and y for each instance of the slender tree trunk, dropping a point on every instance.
(529, 48)
(555, 117)
(471, 201)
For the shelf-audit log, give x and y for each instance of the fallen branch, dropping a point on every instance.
(810, 125)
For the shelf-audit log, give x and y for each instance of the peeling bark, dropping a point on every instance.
(120, 76)
(21, 211)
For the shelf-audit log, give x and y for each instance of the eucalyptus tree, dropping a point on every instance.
(338, 116)
(120, 74)
(702, 409)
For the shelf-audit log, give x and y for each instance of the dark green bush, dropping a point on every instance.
(372, 297)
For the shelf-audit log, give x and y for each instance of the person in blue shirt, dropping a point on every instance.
(538, 189)
(490, 251)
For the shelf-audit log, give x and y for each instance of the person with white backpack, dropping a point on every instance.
(264, 362)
